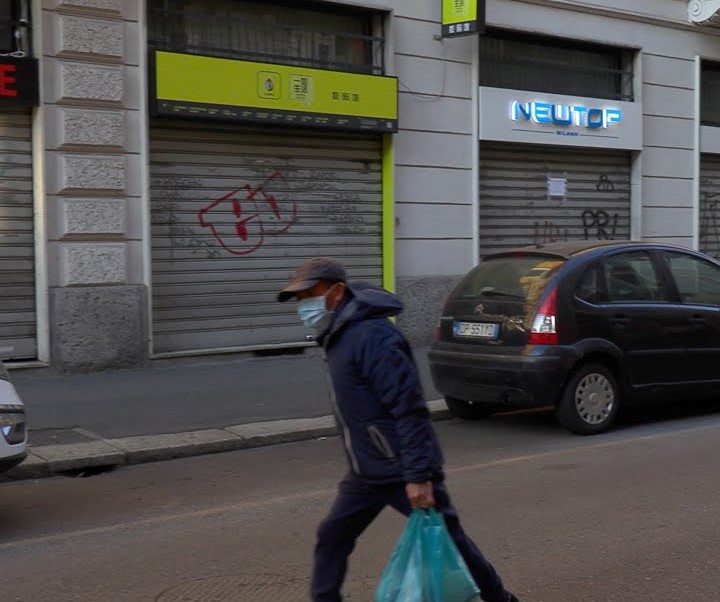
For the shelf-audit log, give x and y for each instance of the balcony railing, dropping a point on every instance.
(248, 38)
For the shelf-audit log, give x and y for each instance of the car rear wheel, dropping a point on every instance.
(468, 410)
(589, 402)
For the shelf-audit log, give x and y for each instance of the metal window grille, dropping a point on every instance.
(15, 29)
(710, 94)
(265, 33)
(556, 67)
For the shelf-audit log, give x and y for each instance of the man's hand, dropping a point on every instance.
(420, 494)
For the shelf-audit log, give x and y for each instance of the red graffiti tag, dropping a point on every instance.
(241, 224)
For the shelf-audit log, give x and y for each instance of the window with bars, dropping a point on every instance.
(556, 66)
(710, 93)
(347, 40)
(15, 30)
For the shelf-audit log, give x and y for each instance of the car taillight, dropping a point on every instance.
(544, 330)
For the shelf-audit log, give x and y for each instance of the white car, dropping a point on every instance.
(13, 432)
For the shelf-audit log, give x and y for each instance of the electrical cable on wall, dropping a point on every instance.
(422, 96)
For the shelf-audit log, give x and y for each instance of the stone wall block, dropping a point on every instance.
(100, 327)
(423, 299)
(94, 216)
(93, 263)
(94, 172)
(93, 128)
(79, 81)
(90, 36)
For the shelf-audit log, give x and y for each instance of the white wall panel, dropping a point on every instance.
(668, 162)
(433, 150)
(433, 184)
(667, 221)
(433, 77)
(662, 101)
(669, 132)
(668, 71)
(417, 257)
(667, 191)
(440, 115)
(431, 221)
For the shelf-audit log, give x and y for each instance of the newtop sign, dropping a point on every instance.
(187, 85)
(462, 17)
(538, 118)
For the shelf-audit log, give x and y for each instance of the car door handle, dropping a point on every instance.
(698, 320)
(620, 321)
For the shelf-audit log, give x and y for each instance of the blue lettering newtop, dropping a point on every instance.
(567, 115)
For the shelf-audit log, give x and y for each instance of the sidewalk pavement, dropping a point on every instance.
(82, 424)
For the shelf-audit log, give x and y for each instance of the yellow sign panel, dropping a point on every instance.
(458, 11)
(201, 86)
(462, 17)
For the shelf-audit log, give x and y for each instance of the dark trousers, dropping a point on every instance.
(356, 506)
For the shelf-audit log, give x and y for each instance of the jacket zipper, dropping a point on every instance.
(380, 441)
(343, 426)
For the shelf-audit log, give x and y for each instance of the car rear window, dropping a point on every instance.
(518, 276)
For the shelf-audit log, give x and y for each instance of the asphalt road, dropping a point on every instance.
(630, 516)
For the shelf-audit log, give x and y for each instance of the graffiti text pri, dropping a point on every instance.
(241, 219)
(599, 224)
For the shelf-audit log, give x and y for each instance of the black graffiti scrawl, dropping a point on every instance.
(599, 224)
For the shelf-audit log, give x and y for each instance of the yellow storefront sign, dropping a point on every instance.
(200, 86)
(458, 11)
(462, 17)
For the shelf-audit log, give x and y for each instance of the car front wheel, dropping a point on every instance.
(589, 402)
(468, 410)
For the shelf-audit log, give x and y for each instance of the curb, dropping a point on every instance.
(106, 454)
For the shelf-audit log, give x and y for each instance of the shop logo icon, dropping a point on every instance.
(268, 85)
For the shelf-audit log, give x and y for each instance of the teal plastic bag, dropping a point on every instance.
(426, 566)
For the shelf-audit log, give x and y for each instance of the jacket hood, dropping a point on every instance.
(369, 301)
(365, 301)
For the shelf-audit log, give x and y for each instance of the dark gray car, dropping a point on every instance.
(582, 326)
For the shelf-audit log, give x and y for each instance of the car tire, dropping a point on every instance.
(467, 410)
(590, 400)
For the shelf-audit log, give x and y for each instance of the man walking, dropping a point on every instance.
(393, 453)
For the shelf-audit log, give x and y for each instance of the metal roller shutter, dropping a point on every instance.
(709, 205)
(235, 211)
(18, 328)
(515, 209)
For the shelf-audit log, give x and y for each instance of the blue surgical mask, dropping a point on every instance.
(312, 310)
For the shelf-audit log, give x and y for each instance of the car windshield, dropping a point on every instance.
(519, 277)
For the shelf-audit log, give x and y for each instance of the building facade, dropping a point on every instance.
(181, 158)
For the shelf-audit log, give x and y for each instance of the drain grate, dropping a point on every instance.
(253, 588)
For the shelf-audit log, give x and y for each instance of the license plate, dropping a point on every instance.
(481, 330)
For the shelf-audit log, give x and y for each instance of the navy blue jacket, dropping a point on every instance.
(379, 403)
